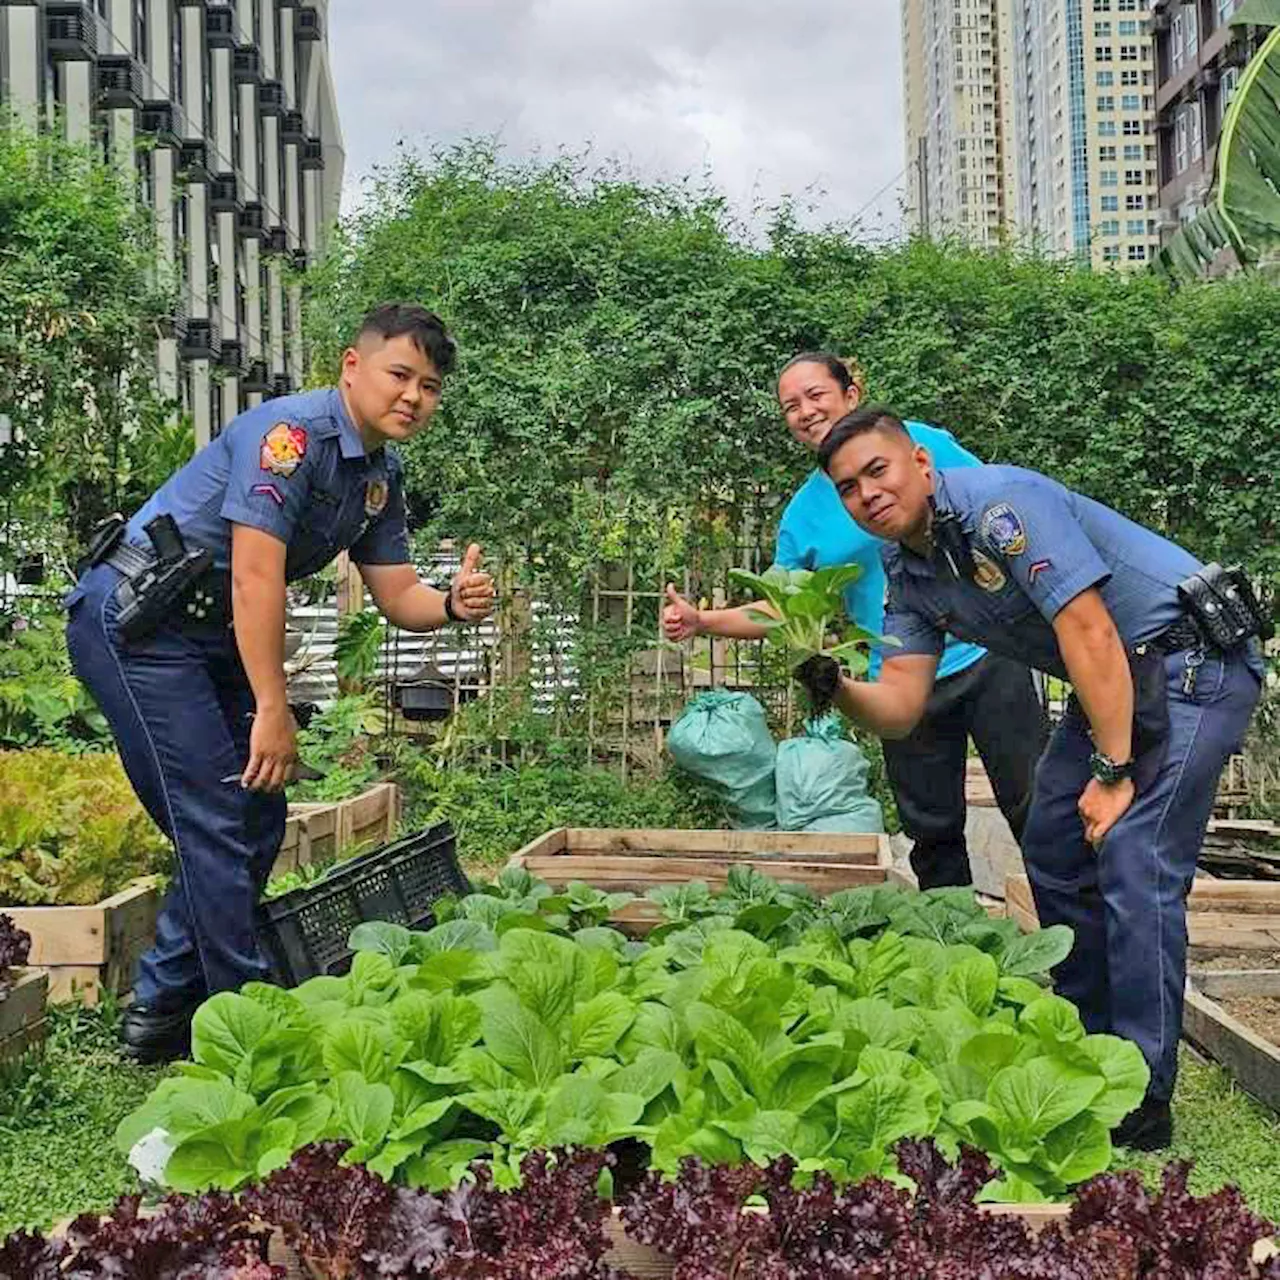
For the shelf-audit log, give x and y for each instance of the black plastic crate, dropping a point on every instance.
(304, 933)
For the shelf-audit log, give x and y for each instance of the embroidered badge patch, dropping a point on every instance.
(1002, 528)
(1037, 569)
(986, 573)
(283, 448)
(269, 491)
(376, 493)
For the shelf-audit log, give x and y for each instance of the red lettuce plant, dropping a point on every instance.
(15, 947)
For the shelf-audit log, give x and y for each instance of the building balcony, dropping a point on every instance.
(220, 27)
(246, 64)
(256, 378)
(308, 24)
(202, 341)
(277, 241)
(281, 385)
(71, 32)
(174, 323)
(313, 154)
(252, 222)
(292, 128)
(193, 159)
(119, 82)
(299, 260)
(271, 98)
(223, 193)
(156, 121)
(232, 357)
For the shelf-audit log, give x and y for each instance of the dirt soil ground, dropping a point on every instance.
(1258, 1013)
(1213, 959)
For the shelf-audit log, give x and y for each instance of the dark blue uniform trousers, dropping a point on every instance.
(179, 704)
(1127, 901)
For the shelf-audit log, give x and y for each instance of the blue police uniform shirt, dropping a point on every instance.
(816, 532)
(296, 468)
(1036, 546)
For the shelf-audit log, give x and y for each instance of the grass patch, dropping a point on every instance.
(1230, 1137)
(58, 1115)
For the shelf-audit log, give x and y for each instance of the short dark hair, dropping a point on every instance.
(844, 371)
(398, 319)
(874, 417)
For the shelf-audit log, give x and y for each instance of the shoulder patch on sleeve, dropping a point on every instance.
(376, 493)
(1002, 527)
(283, 449)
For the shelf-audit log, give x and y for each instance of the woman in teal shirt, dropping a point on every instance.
(977, 694)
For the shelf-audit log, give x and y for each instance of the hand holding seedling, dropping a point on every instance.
(472, 588)
(680, 619)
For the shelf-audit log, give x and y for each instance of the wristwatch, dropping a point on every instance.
(1108, 771)
(449, 611)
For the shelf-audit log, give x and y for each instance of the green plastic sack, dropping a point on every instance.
(821, 781)
(724, 738)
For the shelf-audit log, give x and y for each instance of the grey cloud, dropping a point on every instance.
(766, 98)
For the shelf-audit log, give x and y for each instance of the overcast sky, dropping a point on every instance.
(767, 96)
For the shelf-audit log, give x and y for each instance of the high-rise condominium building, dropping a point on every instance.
(241, 162)
(957, 76)
(1199, 61)
(1066, 110)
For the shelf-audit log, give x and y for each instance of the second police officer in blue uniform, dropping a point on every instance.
(1159, 651)
(177, 626)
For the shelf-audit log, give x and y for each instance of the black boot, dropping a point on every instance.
(151, 1033)
(1148, 1127)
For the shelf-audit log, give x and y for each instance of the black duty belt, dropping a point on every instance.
(1179, 635)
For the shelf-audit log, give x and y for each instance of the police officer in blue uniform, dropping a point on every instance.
(177, 627)
(1160, 652)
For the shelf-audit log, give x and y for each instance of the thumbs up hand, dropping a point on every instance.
(680, 619)
(471, 591)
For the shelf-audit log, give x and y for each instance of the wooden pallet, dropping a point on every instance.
(22, 1021)
(636, 860)
(370, 819)
(321, 832)
(86, 950)
(1220, 913)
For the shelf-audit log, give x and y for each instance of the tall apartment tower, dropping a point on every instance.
(1085, 111)
(1199, 61)
(225, 110)
(957, 77)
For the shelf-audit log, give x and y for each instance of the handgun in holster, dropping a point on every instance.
(155, 594)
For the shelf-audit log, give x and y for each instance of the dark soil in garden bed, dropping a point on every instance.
(1258, 1013)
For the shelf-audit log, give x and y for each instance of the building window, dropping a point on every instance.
(175, 51)
(1108, 178)
(1136, 227)
(1106, 128)
(1128, 53)
(140, 49)
(1111, 253)
(1109, 227)
(1102, 53)
(1133, 203)
(1110, 204)
(1102, 31)
(1128, 6)
(1181, 132)
(1130, 102)
(1133, 178)
(1225, 9)
(1194, 132)
(1106, 153)
(1106, 79)
(1106, 103)
(1230, 82)
(1132, 128)
(1128, 27)
(1129, 77)
(1137, 253)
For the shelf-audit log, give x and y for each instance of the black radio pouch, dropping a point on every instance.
(1150, 715)
(1224, 607)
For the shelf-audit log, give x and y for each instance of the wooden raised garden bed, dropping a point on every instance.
(1237, 914)
(86, 950)
(634, 861)
(321, 832)
(22, 1023)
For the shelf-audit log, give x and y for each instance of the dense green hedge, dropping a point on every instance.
(620, 343)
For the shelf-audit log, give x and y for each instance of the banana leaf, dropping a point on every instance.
(1244, 207)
